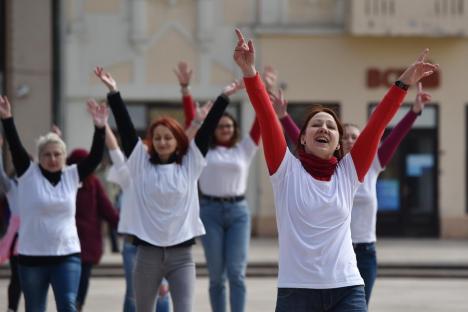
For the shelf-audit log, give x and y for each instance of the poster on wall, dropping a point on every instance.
(388, 195)
(416, 163)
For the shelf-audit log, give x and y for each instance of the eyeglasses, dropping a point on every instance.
(225, 126)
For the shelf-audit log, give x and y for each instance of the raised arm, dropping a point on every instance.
(19, 155)
(205, 134)
(5, 181)
(124, 123)
(200, 114)
(255, 131)
(274, 143)
(389, 146)
(280, 105)
(184, 73)
(364, 149)
(99, 114)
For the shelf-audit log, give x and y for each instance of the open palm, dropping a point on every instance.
(183, 73)
(106, 78)
(202, 111)
(419, 69)
(99, 112)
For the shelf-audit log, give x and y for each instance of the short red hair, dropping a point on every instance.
(178, 132)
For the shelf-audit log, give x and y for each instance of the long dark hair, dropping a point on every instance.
(319, 109)
(235, 136)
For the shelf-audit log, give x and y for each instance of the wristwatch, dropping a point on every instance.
(401, 85)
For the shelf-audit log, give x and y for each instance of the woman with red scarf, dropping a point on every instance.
(314, 193)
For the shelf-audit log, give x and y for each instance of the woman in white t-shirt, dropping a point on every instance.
(314, 193)
(48, 243)
(164, 177)
(223, 207)
(364, 213)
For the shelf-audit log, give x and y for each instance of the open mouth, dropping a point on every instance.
(322, 139)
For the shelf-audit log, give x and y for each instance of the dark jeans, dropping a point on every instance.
(344, 299)
(367, 265)
(84, 284)
(64, 278)
(14, 289)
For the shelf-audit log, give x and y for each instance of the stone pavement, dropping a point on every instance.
(443, 264)
(396, 258)
(390, 295)
(389, 251)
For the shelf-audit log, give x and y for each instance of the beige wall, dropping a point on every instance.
(141, 51)
(29, 62)
(334, 69)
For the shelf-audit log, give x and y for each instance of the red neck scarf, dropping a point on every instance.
(320, 169)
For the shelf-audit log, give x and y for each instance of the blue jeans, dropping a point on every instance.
(129, 253)
(367, 264)
(84, 284)
(226, 245)
(64, 278)
(344, 299)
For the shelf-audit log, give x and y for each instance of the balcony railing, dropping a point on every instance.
(431, 18)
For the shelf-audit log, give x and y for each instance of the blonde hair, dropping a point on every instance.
(50, 138)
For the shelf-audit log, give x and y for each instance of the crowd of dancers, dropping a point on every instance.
(186, 181)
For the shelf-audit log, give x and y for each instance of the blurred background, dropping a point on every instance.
(340, 53)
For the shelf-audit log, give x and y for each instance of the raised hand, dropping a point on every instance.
(99, 112)
(244, 55)
(183, 73)
(202, 111)
(270, 78)
(55, 129)
(422, 98)
(418, 70)
(106, 78)
(233, 87)
(279, 103)
(5, 108)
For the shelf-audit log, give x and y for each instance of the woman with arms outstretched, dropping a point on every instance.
(48, 244)
(314, 193)
(164, 178)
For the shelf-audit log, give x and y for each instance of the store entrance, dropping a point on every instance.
(407, 190)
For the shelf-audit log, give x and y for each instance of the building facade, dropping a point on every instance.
(331, 52)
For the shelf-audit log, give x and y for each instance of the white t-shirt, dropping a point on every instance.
(364, 214)
(227, 169)
(119, 174)
(12, 199)
(313, 219)
(166, 197)
(47, 213)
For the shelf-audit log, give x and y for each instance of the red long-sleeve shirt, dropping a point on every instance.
(364, 149)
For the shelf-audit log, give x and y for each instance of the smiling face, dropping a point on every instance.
(164, 142)
(350, 135)
(52, 157)
(321, 136)
(225, 130)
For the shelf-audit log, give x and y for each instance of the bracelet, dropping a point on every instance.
(184, 85)
(400, 84)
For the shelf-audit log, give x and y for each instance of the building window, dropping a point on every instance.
(143, 113)
(299, 111)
